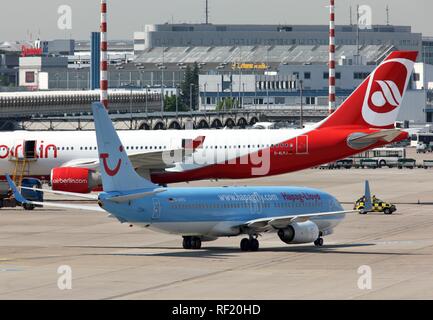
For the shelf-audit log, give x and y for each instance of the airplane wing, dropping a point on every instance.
(73, 194)
(143, 161)
(361, 141)
(281, 222)
(19, 197)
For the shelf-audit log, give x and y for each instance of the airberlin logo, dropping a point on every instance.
(108, 170)
(387, 98)
(385, 92)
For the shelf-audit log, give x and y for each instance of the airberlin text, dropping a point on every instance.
(42, 151)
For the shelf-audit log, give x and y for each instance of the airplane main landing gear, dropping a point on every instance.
(318, 242)
(251, 244)
(191, 242)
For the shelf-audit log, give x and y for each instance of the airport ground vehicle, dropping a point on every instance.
(297, 215)
(379, 157)
(424, 142)
(427, 164)
(365, 120)
(7, 199)
(406, 163)
(367, 203)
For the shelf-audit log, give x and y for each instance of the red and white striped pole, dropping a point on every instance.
(331, 106)
(104, 56)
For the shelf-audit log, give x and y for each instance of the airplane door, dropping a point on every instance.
(302, 145)
(256, 205)
(156, 213)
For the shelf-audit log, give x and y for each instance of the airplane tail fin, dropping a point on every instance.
(117, 172)
(376, 102)
(368, 206)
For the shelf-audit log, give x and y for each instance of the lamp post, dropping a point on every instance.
(177, 101)
(218, 95)
(191, 85)
(130, 105)
(301, 91)
(243, 95)
(205, 98)
(162, 67)
(147, 93)
(267, 91)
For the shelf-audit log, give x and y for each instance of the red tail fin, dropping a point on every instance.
(376, 102)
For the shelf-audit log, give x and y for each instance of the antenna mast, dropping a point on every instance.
(331, 106)
(387, 15)
(207, 11)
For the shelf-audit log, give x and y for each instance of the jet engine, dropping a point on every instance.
(70, 179)
(299, 232)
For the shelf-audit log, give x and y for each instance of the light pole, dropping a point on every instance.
(162, 87)
(177, 102)
(147, 93)
(218, 95)
(267, 91)
(205, 98)
(243, 95)
(130, 105)
(301, 91)
(191, 85)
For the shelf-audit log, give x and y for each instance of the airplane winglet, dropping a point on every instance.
(18, 196)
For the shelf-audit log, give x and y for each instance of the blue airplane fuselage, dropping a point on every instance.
(216, 212)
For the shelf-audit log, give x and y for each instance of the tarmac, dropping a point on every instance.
(370, 256)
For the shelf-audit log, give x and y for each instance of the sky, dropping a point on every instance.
(22, 19)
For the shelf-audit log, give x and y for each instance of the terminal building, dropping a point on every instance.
(218, 35)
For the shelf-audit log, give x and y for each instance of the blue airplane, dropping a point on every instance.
(297, 215)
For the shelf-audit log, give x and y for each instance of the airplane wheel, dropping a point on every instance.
(254, 245)
(27, 206)
(318, 242)
(245, 244)
(187, 243)
(196, 243)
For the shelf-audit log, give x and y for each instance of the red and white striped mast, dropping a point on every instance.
(104, 55)
(331, 106)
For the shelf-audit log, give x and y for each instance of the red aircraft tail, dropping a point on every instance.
(376, 102)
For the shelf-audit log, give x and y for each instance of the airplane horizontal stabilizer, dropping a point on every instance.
(72, 194)
(361, 140)
(20, 198)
